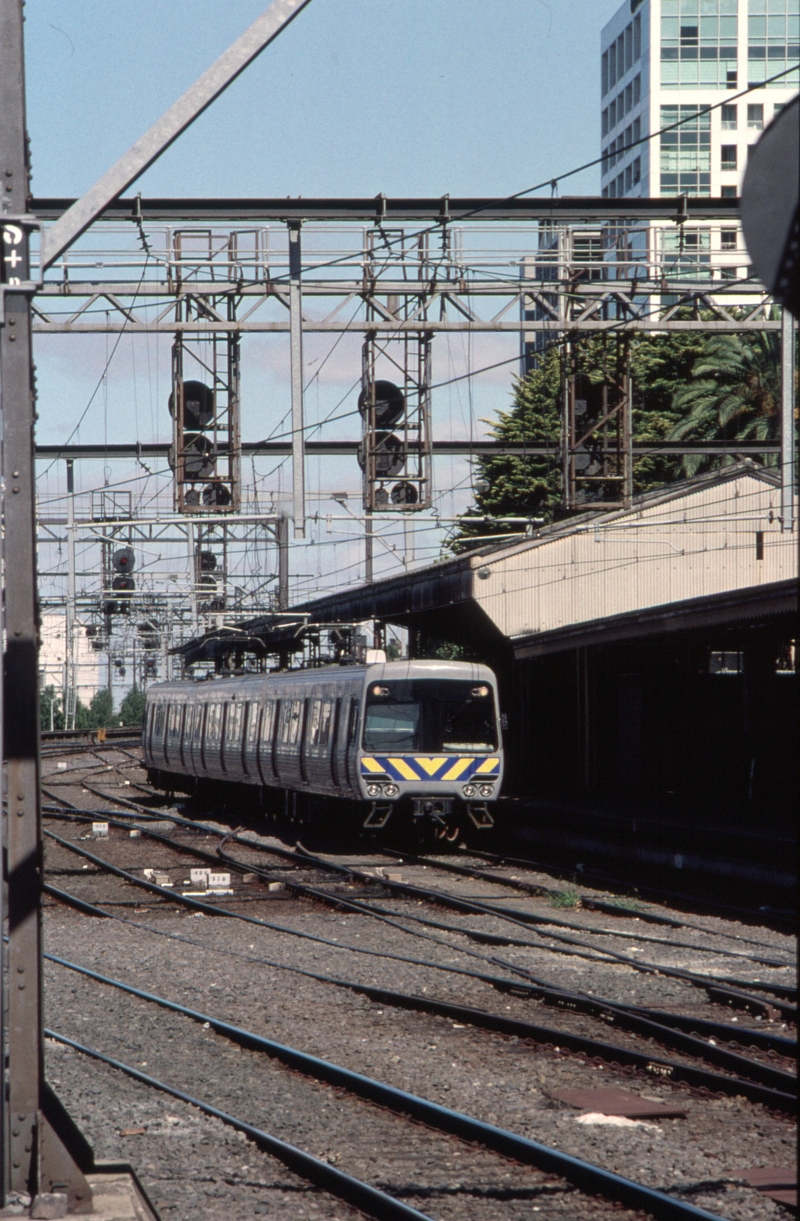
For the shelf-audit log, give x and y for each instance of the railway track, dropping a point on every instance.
(761, 1082)
(716, 1062)
(588, 1178)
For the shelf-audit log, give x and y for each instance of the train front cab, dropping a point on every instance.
(431, 746)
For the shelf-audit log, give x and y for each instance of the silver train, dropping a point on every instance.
(420, 740)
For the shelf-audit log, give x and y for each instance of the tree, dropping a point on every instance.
(733, 393)
(131, 711)
(51, 711)
(512, 486)
(99, 714)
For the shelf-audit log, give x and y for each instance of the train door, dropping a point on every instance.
(172, 750)
(270, 713)
(317, 741)
(159, 727)
(212, 740)
(147, 733)
(191, 736)
(232, 740)
(198, 739)
(348, 742)
(185, 743)
(250, 739)
(336, 762)
(288, 743)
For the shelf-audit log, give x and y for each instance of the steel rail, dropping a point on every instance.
(589, 901)
(625, 1016)
(724, 994)
(728, 911)
(724, 990)
(777, 1094)
(778, 1084)
(524, 919)
(720, 989)
(371, 1200)
(651, 917)
(724, 910)
(532, 888)
(121, 731)
(584, 1175)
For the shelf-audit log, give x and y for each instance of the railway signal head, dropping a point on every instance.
(123, 560)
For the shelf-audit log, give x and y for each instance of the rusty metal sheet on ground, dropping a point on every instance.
(614, 1101)
(777, 1182)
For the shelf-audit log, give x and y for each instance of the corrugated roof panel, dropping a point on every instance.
(700, 543)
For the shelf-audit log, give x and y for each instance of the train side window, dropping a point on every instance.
(158, 727)
(326, 716)
(268, 720)
(214, 723)
(296, 721)
(285, 720)
(251, 733)
(314, 722)
(174, 724)
(233, 724)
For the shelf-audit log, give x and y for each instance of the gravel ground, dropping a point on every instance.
(192, 1164)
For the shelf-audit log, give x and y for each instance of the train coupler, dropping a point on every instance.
(378, 816)
(438, 809)
(480, 816)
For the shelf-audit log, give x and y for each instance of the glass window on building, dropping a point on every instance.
(698, 44)
(755, 117)
(773, 42)
(728, 157)
(729, 118)
(728, 192)
(687, 254)
(686, 151)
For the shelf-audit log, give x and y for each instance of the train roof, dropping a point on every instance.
(397, 670)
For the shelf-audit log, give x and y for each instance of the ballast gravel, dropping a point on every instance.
(194, 1166)
(497, 1079)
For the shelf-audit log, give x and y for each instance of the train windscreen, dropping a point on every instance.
(430, 714)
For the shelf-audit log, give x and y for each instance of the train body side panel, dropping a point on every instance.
(304, 731)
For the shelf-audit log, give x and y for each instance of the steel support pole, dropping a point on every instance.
(296, 344)
(282, 532)
(70, 703)
(21, 745)
(193, 574)
(368, 548)
(787, 419)
(37, 1158)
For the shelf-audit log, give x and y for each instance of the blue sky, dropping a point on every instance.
(355, 97)
(408, 97)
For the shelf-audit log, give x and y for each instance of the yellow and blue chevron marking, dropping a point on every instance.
(431, 767)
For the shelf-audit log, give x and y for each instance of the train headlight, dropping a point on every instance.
(486, 790)
(391, 790)
(373, 790)
(469, 790)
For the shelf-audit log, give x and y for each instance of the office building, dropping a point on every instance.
(666, 60)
